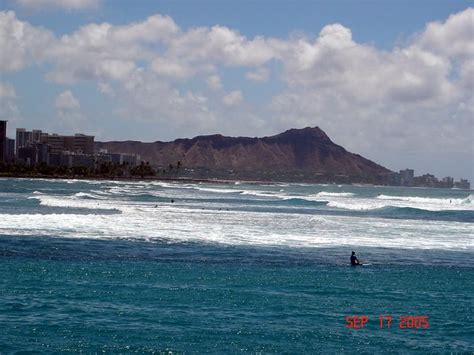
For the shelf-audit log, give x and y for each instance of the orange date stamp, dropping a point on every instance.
(386, 322)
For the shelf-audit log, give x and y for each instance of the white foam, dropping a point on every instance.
(198, 187)
(426, 203)
(334, 194)
(164, 184)
(73, 202)
(196, 221)
(171, 222)
(276, 195)
(88, 195)
(217, 190)
(354, 203)
(358, 205)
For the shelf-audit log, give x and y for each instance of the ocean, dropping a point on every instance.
(171, 267)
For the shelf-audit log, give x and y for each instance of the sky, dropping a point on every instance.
(392, 80)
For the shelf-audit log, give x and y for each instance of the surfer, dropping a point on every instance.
(354, 260)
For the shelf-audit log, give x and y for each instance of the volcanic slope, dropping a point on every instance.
(295, 153)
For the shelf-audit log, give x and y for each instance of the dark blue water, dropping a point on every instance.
(93, 295)
(89, 266)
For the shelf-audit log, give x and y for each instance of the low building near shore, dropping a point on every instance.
(120, 158)
(426, 180)
(447, 182)
(463, 184)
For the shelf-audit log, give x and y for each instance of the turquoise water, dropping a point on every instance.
(116, 266)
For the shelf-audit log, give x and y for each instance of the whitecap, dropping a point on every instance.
(73, 202)
(334, 194)
(429, 203)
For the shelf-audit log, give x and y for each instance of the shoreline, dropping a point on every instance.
(207, 181)
(145, 178)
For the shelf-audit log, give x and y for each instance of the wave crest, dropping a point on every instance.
(334, 194)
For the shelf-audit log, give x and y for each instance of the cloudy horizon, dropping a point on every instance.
(152, 73)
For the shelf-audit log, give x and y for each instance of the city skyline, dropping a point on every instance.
(391, 82)
(58, 143)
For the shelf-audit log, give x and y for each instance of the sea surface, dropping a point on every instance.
(150, 266)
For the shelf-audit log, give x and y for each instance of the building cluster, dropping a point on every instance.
(37, 147)
(407, 178)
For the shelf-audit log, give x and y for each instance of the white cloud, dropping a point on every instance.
(233, 98)
(170, 68)
(21, 44)
(106, 52)
(62, 4)
(92, 54)
(67, 101)
(106, 89)
(402, 99)
(146, 98)
(453, 38)
(221, 45)
(154, 28)
(214, 82)
(260, 75)
(335, 36)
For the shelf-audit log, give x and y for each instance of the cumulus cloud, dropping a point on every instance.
(147, 99)
(67, 101)
(233, 98)
(169, 68)
(62, 4)
(334, 68)
(21, 43)
(105, 52)
(154, 28)
(260, 75)
(214, 82)
(221, 44)
(402, 99)
(452, 38)
(106, 89)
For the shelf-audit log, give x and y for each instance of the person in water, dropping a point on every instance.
(354, 260)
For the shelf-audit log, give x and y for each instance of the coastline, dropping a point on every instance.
(202, 180)
(137, 178)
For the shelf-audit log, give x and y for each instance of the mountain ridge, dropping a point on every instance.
(306, 154)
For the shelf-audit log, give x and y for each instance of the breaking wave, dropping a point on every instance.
(74, 202)
(290, 215)
(439, 201)
(334, 194)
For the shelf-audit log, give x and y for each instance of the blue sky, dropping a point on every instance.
(381, 22)
(390, 80)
